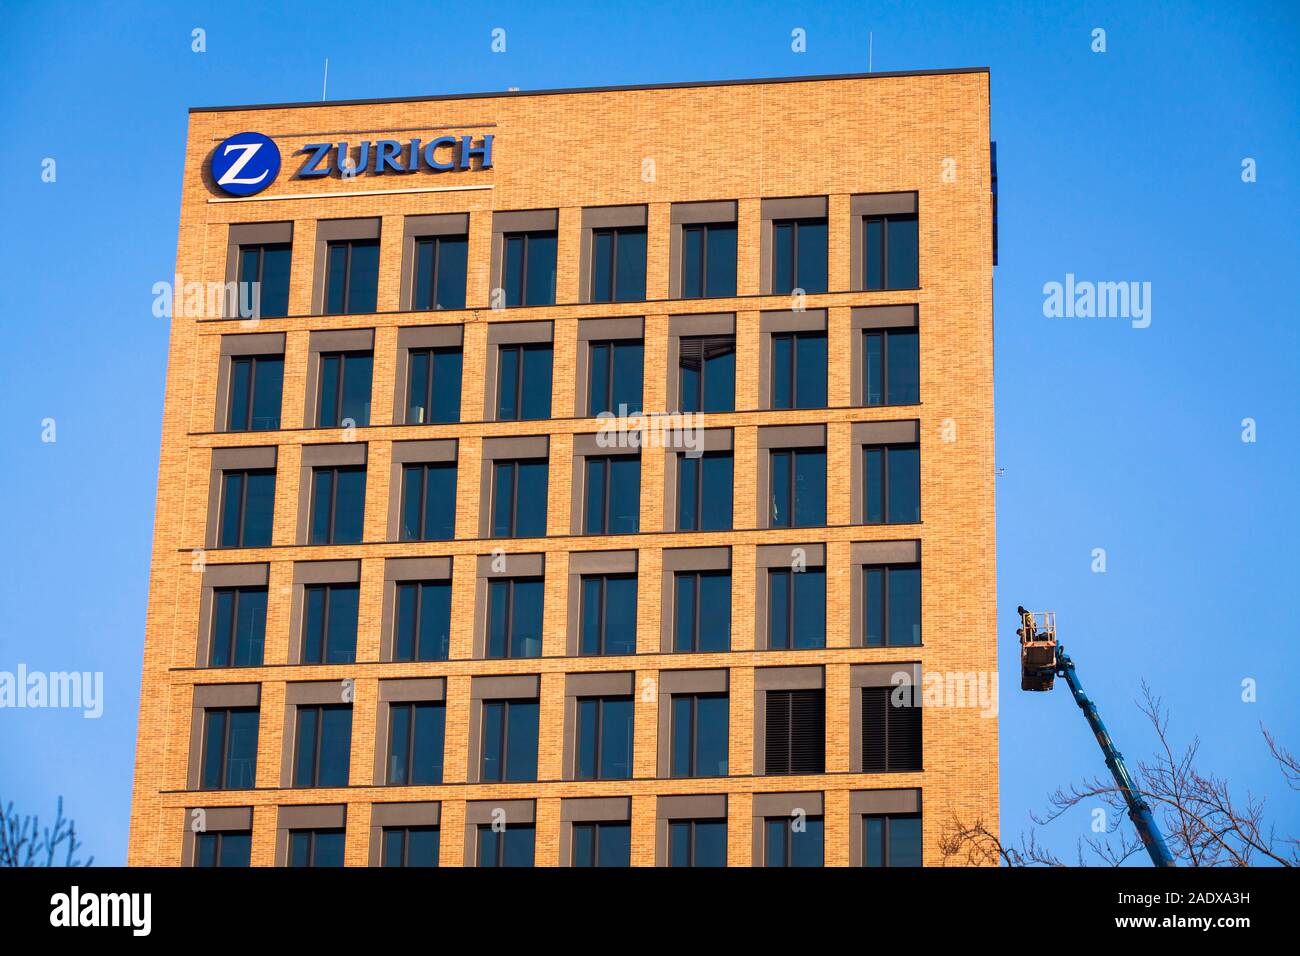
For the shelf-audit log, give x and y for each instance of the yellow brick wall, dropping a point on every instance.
(740, 142)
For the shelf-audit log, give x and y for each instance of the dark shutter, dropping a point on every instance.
(796, 732)
(891, 736)
(693, 350)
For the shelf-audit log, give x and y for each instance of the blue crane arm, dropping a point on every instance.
(1139, 810)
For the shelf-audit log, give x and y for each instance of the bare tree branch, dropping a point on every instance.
(24, 842)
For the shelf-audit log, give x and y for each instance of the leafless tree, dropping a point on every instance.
(24, 842)
(1203, 823)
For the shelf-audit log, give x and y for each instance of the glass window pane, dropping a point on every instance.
(336, 278)
(304, 769)
(526, 619)
(539, 284)
(873, 253)
(902, 231)
(214, 749)
(399, 737)
(494, 713)
(404, 634)
(810, 488)
(905, 841)
(602, 266)
(313, 644)
(514, 270)
(873, 477)
(521, 759)
(874, 608)
(590, 625)
(435, 621)
(682, 743)
(335, 746)
(445, 404)
(508, 383)
(422, 846)
(223, 624)
(722, 261)
(806, 846)
(810, 608)
(274, 293)
(715, 612)
(412, 510)
(259, 509)
(710, 843)
(594, 520)
(241, 383)
(440, 503)
(687, 603)
(498, 618)
(503, 498)
(518, 849)
(778, 609)
(720, 381)
(812, 256)
(629, 279)
(300, 848)
(904, 368)
(688, 476)
(268, 382)
(692, 260)
(712, 757)
(453, 258)
(241, 771)
(236, 849)
(904, 606)
(588, 737)
(330, 369)
(329, 848)
(873, 841)
(679, 843)
(620, 615)
(782, 371)
(430, 727)
(363, 282)
(530, 521)
(625, 495)
(776, 834)
(357, 370)
(874, 370)
(616, 740)
(615, 844)
(394, 847)
(810, 371)
(535, 401)
(781, 488)
(627, 371)
(425, 252)
(598, 399)
(782, 257)
(717, 492)
(584, 844)
(904, 485)
(250, 627)
(232, 510)
(349, 505)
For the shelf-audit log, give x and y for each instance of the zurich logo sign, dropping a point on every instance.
(245, 163)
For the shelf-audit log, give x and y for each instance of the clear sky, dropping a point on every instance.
(1117, 166)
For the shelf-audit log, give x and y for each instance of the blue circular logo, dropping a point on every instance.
(245, 163)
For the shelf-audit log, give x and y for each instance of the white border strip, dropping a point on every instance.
(365, 192)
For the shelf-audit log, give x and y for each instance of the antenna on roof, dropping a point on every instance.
(325, 85)
(870, 44)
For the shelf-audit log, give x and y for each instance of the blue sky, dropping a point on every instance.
(1115, 166)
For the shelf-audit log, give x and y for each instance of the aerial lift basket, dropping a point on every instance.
(1037, 649)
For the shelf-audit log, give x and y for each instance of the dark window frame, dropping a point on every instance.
(596, 827)
(886, 836)
(606, 497)
(262, 249)
(885, 336)
(253, 362)
(405, 832)
(333, 506)
(607, 404)
(792, 614)
(513, 464)
(697, 577)
(509, 583)
(418, 588)
(699, 511)
(319, 736)
(885, 450)
(245, 474)
(335, 418)
(311, 833)
(710, 347)
(791, 505)
(884, 219)
(218, 839)
(321, 640)
(690, 825)
(616, 234)
(602, 614)
(430, 355)
(704, 229)
(346, 293)
(598, 747)
(694, 731)
(425, 469)
(796, 225)
(223, 758)
(526, 236)
(410, 756)
(230, 640)
(796, 338)
(435, 268)
(788, 836)
(507, 705)
(518, 385)
(886, 611)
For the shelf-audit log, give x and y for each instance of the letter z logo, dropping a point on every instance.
(245, 163)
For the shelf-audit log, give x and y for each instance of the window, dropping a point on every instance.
(795, 739)
(893, 606)
(338, 504)
(344, 389)
(323, 748)
(794, 841)
(707, 373)
(699, 735)
(796, 608)
(351, 276)
(890, 252)
(230, 748)
(440, 271)
(618, 265)
(509, 740)
(697, 843)
(524, 382)
(433, 386)
(892, 474)
(256, 382)
(799, 255)
(799, 370)
(519, 498)
(892, 372)
(415, 736)
(223, 848)
(238, 627)
(429, 502)
(529, 273)
(608, 622)
(891, 839)
(615, 374)
(891, 734)
(602, 844)
(330, 630)
(411, 846)
(798, 482)
(423, 621)
(604, 738)
(512, 846)
(316, 847)
(704, 490)
(613, 495)
(247, 508)
(268, 266)
(703, 613)
(515, 617)
(709, 260)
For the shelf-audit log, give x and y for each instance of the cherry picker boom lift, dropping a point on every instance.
(1042, 660)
